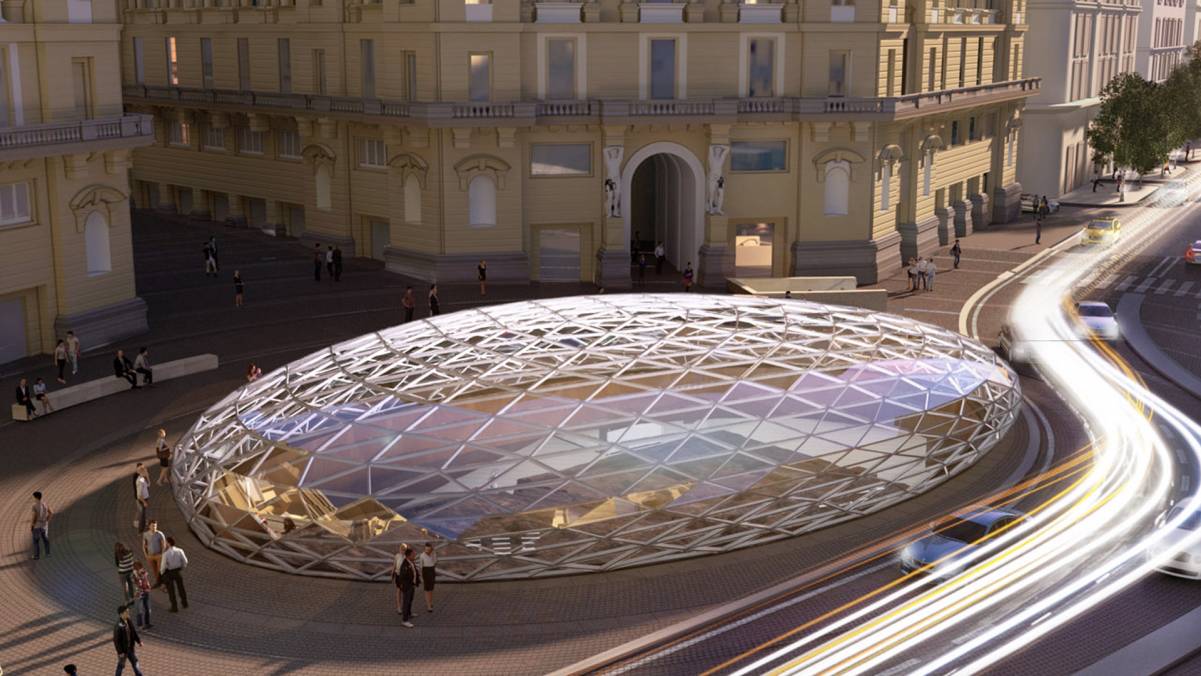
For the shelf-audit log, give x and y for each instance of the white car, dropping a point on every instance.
(1192, 255)
(1185, 562)
(1173, 194)
(1097, 320)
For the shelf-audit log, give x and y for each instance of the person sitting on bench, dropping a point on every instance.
(123, 368)
(25, 398)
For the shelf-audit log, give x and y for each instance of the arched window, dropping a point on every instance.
(323, 186)
(96, 246)
(481, 201)
(412, 200)
(838, 187)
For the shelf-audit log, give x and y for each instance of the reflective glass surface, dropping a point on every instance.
(588, 433)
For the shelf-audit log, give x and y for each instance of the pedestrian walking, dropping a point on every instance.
(162, 451)
(788, 294)
(39, 527)
(171, 568)
(912, 272)
(409, 577)
(141, 587)
(73, 351)
(956, 252)
(931, 270)
(429, 574)
(318, 261)
(1038, 232)
(688, 274)
(216, 256)
(634, 247)
(60, 360)
(1188, 151)
(433, 301)
(141, 487)
(71, 670)
(253, 372)
(642, 268)
(482, 272)
(141, 364)
(123, 558)
(126, 641)
(25, 398)
(210, 261)
(409, 303)
(154, 543)
(1044, 209)
(396, 566)
(329, 262)
(239, 289)
(922, 267)
(39, 394)
(337, 263)
(660, 257)
(1096, 180)
(123, 368)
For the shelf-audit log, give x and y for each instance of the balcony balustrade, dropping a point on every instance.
(63, 138)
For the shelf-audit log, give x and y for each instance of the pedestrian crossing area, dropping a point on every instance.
(1153, 282)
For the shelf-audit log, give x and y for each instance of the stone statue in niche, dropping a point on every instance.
(717, 178)
(613, 156)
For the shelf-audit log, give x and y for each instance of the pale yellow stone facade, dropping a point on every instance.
(66, 262)
(795, 138)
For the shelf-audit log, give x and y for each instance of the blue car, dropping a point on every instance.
(955, 540)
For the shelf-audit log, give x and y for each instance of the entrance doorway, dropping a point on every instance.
(381, 237)
(12, 329)
(753, 249)
(663, 183)
(558, 255)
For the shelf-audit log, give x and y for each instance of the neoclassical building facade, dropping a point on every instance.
(809, 137)
(66, 263)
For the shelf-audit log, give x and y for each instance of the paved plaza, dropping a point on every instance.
(247, 620)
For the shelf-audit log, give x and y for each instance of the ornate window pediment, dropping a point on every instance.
(408, 164)
(476, 165)
(319, 154)
(95, 197)
(836, 155)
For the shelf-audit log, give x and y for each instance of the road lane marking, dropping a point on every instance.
(1183, 289)
(1130, 279)
(1108, 281)
(1166, 263)
(1163, 288)
(1147, 283)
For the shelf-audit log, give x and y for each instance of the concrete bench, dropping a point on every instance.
(774, 287)
(103, 387)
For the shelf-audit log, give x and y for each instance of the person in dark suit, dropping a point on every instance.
(337, 263)
(123, 368)
(126, 641)
(408, 576)
(25, 398)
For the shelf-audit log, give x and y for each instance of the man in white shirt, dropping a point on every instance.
(142, 489)
(73, 351)
(141, 364)
(922, 267)
(660, 256)
(171, 569)
(931, 270)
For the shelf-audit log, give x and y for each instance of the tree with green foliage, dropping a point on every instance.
(1183, 89)
(1135, 126)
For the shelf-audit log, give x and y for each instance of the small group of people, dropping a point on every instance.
(330, 260)
(408, 303)
(130, 370)
(66, 353)
(166, 561)
(410, 571)
(921, 273)
(30, 396)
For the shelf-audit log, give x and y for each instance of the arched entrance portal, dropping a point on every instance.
(664, 185)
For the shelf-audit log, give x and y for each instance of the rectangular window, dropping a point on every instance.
(971, 129)
(761, 61)
(980, 61)
(479, 78)
(560, 69)
(318, 71)
(839, 63)
(284, 46)
(962, 62)
(81, 77)
(250, 142)
(1017, 62)
(181, 133)
(139, 62)
(206, 62)
(367, 67)
(214, 138)
(244, 64)
(759, 156)
(172, 62)
(942, 75)
(663, 69)
(14, 204)
(5, 113)
(373, 153)
(932, 68)
(288, 144)
(561, 159)
(890, 79)
(955, 132)
(410, 73)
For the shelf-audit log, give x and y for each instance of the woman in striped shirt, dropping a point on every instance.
(123, 557)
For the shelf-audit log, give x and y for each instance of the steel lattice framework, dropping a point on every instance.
(587, 433)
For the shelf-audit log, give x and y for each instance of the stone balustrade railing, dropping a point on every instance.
(527, 113)
(134, 127)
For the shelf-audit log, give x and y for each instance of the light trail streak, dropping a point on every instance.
(1074, 551)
